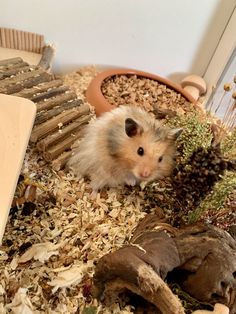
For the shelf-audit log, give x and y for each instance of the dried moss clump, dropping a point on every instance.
(228, 146)
(196, 133)
(223, 188)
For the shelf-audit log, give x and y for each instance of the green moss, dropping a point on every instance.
(189, 303)
(217, 198)
(228, 145)
(196, 132)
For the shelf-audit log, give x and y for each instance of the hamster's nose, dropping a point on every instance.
(145, 173)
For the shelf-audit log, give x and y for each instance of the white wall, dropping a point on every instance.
(166, 37)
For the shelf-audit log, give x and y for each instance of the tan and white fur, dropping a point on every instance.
(125, 146)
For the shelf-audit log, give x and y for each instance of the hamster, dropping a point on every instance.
(125, 146)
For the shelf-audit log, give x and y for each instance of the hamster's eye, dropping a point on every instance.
(160, 159)
(140, 151)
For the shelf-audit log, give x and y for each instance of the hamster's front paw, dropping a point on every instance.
(130, 181)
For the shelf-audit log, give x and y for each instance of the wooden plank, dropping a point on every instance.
(55, 101)
(51, 125)
(30, 92)
(46, 115)
(14, 88)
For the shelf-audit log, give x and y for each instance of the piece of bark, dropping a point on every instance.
(57, 136)
(47, 57)
(41, 88)
(60, 162)
(46, 115)
(18, 86)
(55, 151)
(51, 125)
(56, 101)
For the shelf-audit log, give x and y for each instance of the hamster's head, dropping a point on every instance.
(148, 152)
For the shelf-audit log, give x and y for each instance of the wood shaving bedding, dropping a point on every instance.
(49, 250)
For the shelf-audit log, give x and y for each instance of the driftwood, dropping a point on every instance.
(55, 101)
(200, 258)
(57, 136)
(51, 125)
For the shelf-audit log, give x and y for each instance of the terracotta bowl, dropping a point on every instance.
(95, 97)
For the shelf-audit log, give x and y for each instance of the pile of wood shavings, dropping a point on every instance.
(49, 247)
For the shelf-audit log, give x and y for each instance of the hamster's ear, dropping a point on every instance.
(174, 133)
(132, 128)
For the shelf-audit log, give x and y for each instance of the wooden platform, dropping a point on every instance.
(60, 117)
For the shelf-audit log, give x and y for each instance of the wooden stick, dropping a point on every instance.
(57, 136)
(30, 92)
(11, 39)
(34, 39)
(13, 67)
(47, 57)
(3, 38)
(7, 38)
(60, 162)
(19, 40)
(41, 43)
(56, 101)
(14, 88)
(46, 115)
(14, 71)
(63, 145)
(21, 77)
(51, 125)
(15, 39)
(10, 61)
(50, 93)
(30, 42)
